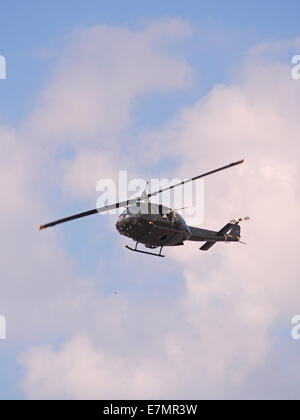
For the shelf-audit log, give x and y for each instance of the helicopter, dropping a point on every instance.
(157, 226)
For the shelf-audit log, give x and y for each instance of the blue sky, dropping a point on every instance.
(214, 72)
(29, 27)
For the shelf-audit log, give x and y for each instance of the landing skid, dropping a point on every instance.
(145, 252)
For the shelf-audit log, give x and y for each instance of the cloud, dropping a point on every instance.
(99, 74)
(236, 296)
(69, 141)
(81, 371)
(208, 338)
(87, 107)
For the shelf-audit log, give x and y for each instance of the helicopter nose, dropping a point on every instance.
(122, 224)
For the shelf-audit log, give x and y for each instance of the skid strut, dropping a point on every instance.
(145, 252)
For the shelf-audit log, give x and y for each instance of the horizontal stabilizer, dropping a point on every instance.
(207, 246)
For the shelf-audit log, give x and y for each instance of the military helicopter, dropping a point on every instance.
(157, 226)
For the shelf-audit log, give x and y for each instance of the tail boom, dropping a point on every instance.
(231, 232)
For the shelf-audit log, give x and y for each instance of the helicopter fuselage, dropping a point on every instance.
(157, 226)
(153, 225)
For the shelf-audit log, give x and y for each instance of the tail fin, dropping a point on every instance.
(234, 234)
(222, 233)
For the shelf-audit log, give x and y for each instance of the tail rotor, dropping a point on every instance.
(235, 232)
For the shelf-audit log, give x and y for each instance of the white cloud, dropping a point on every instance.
(87, 106)
(79, 370)
(217, 331)
(83, 172)
(100, 73)
(42, 293)
(69, 141)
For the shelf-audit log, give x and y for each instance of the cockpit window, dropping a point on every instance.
(184, 224)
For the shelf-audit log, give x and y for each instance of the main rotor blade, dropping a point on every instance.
(133, 200)
(89, 213)
(196, 177)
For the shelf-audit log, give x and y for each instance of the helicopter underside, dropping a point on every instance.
(151, 232)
